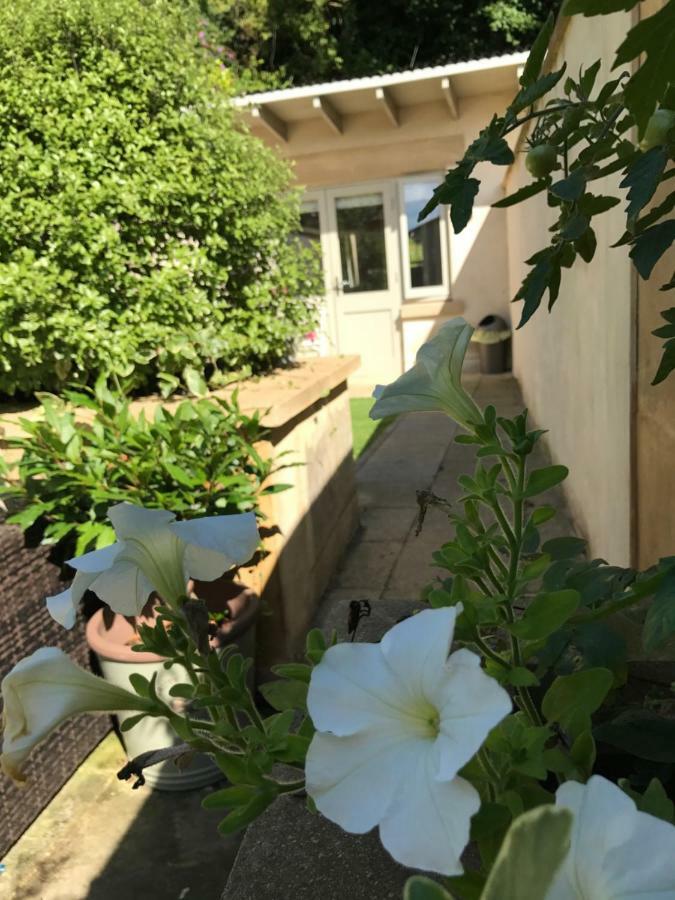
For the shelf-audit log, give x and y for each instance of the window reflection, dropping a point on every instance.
(424, 238)
(310, 225)
(360, 226)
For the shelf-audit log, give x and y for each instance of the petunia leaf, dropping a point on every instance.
(534, 848)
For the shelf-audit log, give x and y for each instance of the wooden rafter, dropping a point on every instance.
(271, 121)
(383, 96)
(330, 114)
(450, 98)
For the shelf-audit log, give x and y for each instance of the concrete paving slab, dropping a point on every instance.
(100, 840)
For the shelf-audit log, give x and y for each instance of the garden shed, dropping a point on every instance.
(368, 153)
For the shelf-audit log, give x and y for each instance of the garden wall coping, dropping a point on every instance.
(282, 395)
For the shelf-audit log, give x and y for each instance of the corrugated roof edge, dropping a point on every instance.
(375, 81)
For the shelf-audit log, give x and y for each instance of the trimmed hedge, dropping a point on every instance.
(144, 232)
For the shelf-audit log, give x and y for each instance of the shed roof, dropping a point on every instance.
(333, 100)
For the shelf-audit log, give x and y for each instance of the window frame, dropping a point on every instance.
(434, 291)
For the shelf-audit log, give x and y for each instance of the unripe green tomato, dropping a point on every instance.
(541, 161)
(658, 126)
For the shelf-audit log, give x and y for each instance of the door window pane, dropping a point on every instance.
(360, 225)
(424, 238)
(310, 226)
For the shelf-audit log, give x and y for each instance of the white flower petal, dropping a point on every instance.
(217, 543)
(96, 560)
(124, 588)
(129, 520)
(354, 779)
(64, 606)
(427, 826)
(470, 704)
(352, 688)
(616, 851)
(40, 692)
(417, 648)
(434, 382)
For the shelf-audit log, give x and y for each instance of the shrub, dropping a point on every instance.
(144, 231)
(199, 460)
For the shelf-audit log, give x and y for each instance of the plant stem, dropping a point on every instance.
(489, 771)
(523, 694)
(487, 650)
(290, 786)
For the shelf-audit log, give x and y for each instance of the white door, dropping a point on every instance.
(363, 278)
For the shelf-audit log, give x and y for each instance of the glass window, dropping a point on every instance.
(310, 225)
(424, 238)
(360, 225)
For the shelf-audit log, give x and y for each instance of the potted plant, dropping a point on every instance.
(198, 460)
(233, 610)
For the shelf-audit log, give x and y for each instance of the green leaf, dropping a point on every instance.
(458, 191)
(545, 614)
(541, 277)
(541, 480)
(140, 684)
(243, 815)
(583, 753)
(570, 188)
(419, 887)
(530, 190)
(655, 37)
(640, 733)
(521, 677)
(642, 178)
(194, 382)
(535, 59)
(655, 801)
(284, 695)
(536, 568)
(130, 721)
(461, 205)
(564, 547)
(237, 795)
(529, 95)
(572, 699)
(660, 619)
(668, 360)
(534, 848)
(650, 245)
(542, 514)
(294, 671)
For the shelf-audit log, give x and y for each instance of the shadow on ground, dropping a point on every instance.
(100, 840)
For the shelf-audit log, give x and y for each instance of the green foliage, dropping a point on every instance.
(583, 130)
(268, 43)
(143, 231)
(198, 459)
(533, 851)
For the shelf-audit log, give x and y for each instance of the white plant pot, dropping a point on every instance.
(118, 661)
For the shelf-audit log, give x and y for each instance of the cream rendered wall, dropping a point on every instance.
(576, 365)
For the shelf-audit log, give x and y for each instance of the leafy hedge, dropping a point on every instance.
(143, 230)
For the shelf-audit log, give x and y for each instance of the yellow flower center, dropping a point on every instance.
(425, 719)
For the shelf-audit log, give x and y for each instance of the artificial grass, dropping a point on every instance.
(364, 429)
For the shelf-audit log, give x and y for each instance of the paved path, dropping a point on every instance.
(387, 563)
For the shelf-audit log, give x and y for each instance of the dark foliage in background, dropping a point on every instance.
(274, 42)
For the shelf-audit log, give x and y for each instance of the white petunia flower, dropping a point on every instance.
(155, 553)
(395, 722)
(616, 852)
(43, 690)
(434, 382)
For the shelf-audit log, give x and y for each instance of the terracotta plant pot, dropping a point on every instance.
(113, 648)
